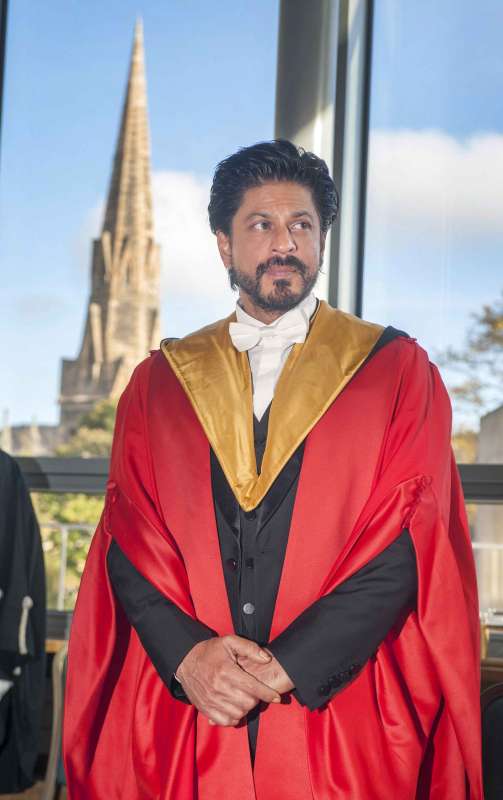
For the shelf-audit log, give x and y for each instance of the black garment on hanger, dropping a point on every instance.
(22, 630)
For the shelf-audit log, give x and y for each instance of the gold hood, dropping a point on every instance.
(217, 381)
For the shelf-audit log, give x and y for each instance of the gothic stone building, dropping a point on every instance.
(122, 322)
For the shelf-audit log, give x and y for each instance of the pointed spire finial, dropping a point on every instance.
(123, 312)
(129, 208)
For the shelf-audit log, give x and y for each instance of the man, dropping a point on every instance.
(279, 602)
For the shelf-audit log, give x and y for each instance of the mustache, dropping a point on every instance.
(277, 261)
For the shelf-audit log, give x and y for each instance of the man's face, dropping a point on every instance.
(275, 248)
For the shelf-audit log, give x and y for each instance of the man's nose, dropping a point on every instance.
(283, 241)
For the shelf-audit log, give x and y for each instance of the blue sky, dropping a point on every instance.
(438, 65)
(434, 245)
(211, 84)
(437, 88)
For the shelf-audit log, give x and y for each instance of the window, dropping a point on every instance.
(70, 340)
(434, 232)
(209, 76)
(434, 229)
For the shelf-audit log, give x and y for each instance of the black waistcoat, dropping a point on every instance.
(253, 545)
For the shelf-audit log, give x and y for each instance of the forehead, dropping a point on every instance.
(277, 197)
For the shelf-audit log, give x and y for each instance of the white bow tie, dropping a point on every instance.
(289, 330)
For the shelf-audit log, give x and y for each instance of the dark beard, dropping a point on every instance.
(281, 298)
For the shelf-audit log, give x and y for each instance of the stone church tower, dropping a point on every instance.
(122, 322)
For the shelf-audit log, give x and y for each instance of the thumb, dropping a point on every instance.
(246, 648)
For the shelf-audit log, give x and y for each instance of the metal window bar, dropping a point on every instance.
(322, 104)
(482, 483)
(487, 546)
(65, 529)
(3, 40)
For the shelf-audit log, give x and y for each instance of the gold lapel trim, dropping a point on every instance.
(217, 381)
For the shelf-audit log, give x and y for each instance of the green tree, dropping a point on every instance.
(477, 369)
(479, 364)
(92, 438)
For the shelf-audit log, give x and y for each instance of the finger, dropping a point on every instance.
(266, 694)
(249, 666)
(244, 647)
(222, 720)
(243, 700)
(226, 714)
(254, 687)
(244, 662)
(233, 708)
(234, 690)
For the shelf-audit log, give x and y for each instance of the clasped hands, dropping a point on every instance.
(225, 677)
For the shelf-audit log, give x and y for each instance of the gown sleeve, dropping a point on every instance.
(166, 632)
(329, 643)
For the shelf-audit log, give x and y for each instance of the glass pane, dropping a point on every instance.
(435, 192)
(486, 527)
(67, 524)
(85, 292)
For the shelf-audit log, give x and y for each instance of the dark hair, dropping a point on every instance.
(278, 160)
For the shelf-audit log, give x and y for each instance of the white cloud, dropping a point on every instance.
(194, 286)
(191, 265)
(436, 183)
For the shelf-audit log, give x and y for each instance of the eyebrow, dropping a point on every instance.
(266, 214)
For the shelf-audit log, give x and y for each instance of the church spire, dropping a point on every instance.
(128, 212)
(122, 322)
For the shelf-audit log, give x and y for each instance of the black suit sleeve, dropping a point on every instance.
(326, 645)
(166, 633)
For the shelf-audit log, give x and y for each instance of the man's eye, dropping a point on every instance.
(262, 225)
(302, 224)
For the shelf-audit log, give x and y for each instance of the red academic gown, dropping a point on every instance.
(377, 460)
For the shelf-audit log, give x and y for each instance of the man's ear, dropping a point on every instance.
(224, 248)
